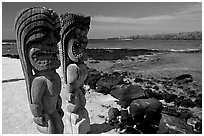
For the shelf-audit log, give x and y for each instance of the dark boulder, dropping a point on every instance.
(103, 90)
(113, 113)
(149, 93)
(180, 98)
(146, 114)
(170, 97)
(130, 130)
(200, 96)
(191, 93)
(172, 111)
(92, 78)
(185, 114)
(126, 118)
(150, 125)
(125, 73)
(108, 81)
(185, 78)
(156, 87)
(198, 127)
(148, 86)
(127, 93)
(187, 103)
(139, 79)
(158, 95)
(174, 125)
(140, 107)
(198, 101)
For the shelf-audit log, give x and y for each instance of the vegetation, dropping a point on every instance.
(197, 35)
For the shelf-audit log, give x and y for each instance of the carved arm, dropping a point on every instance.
(37, 91)
(72, 76)
(59, 105)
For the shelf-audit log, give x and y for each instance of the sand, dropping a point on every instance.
(16, 115)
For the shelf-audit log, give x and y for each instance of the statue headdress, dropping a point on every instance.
(70, 21)
(32, 24)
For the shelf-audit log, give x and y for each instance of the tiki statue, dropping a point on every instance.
(37, 33)
(72, 51)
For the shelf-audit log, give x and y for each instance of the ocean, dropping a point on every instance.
(146, 44)
(9, 46)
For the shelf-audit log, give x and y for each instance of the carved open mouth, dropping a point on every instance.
(78, 50)
(43, 58)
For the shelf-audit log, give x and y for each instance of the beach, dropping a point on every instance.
(16, 115)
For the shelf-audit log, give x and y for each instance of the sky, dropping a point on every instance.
(115, 19)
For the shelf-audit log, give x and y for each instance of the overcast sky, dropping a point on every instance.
(119, 18)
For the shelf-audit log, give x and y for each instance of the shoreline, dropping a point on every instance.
(145, 63)
(117, 53)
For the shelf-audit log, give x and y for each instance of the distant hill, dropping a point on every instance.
(197, 35)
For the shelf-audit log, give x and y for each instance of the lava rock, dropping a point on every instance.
(180, 98)
(148, 86)
(130, 130)
(172, 111)
(174, 125)
(103, 90)
(126, 118)
(191, 93)
(198, 102)
(170, 97)
(198, 127)
(187, 103)
(200, 96)
(109, 81)
(149, 93)
(185, 78)
(156, 87)
(140, 107)
(185, 115)
(153, 117)
(92, 78)
(113, 113)
(138, 80)
(127, 93)
(125, 73)
(159, 95)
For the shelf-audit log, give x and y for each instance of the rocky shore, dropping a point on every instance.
(179, 90)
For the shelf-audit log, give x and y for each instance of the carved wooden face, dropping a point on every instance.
(77, 45)
(43, 55)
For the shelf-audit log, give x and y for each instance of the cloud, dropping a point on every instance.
(129, 20)
(190, 12)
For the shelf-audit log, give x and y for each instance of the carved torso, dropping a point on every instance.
(51, 86)
(81, 71)
(77, 74)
